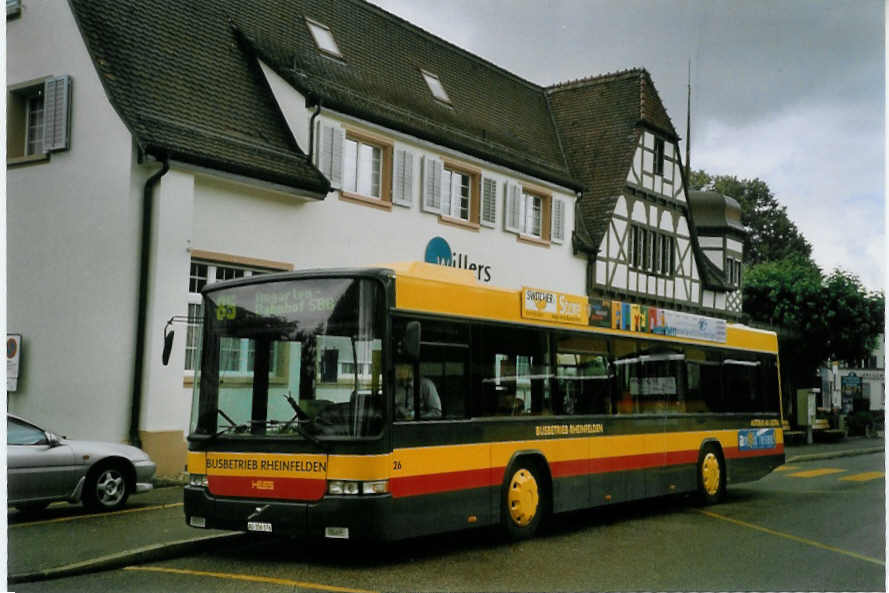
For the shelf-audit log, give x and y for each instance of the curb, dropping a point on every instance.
(151, 553)
(833, 454)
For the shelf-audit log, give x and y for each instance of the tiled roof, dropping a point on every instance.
(599, 120)
(185, 79)
(182, 86)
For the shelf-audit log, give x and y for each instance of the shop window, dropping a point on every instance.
(38, 119)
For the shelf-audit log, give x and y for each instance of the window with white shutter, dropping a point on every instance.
(39, 118)
(512, 218)
(330, 153)
(489, 202)
(432, 170)
(13, 8)
(403, 178)
(558, 230)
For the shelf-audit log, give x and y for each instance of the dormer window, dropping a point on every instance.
(436, 87)
(324, 38)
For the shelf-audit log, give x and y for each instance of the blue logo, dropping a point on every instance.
(438, 252)
(763, 438)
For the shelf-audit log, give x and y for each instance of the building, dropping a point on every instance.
(855, 387)
(154, 151)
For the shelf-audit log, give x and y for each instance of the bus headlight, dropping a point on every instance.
(198, 480)
(354, 487)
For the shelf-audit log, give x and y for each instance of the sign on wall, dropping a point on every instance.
(554, 306)
(438, 251)
(13, 360)
(654, 320)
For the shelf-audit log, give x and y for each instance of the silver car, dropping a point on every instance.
(43, 467)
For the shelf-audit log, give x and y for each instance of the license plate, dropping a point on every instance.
(259, 526)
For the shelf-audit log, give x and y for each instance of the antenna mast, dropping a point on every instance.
(688, 130)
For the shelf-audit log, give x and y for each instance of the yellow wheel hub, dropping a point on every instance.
(710, 473)
(523, 497)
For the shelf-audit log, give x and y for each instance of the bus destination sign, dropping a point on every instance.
(554, 306)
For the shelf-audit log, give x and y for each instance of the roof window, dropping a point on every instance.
(436, 87)
(323, 38)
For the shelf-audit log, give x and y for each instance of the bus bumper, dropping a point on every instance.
(339, 517)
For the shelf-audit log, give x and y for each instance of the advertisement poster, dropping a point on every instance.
(13, 360)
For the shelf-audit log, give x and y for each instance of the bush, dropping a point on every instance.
(858, 421)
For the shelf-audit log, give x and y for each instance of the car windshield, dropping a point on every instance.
(291, 359)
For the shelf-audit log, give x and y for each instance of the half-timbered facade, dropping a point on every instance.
(637, 229)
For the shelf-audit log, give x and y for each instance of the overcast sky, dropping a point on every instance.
(789, 91)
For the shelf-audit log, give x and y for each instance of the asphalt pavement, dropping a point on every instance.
(65, 540)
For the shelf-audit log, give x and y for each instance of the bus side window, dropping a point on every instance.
(628, 375)
(703, 377)
(584, 376)
(511, 372)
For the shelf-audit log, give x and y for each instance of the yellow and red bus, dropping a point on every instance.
(410, 399)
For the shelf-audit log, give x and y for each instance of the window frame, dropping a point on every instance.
(214, 262)
(651, 251)
(386, 148)
(528, 194)
(659, 156)
(474, 175)
(321, 33)
(436, 87)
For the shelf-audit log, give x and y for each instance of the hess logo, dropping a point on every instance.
(262, 485)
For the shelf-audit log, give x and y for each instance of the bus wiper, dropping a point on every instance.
(232, 425)
(300, 418)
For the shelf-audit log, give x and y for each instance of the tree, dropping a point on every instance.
(818, 318)
(773, 236)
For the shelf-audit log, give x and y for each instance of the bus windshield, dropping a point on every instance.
(291, 358)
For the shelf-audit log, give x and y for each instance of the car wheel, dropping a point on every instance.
(31, 507)
(523, 501)
(106, 487)
(711, 475)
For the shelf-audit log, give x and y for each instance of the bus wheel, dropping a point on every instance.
(711, 475)
(523, 506)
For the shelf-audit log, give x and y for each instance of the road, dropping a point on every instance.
(813, 526)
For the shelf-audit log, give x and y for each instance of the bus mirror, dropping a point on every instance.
(412, 341)
(168, 346)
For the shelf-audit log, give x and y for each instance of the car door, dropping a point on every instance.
(37, 469)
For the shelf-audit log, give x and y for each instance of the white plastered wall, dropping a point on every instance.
(72, 245)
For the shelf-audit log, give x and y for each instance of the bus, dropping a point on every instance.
(410, 399)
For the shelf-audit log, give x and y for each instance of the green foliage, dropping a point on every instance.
(817, 317)
(773, 236)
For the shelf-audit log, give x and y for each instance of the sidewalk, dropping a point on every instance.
(841, 448)
(65, 540)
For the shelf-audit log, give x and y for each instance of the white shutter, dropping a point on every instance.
(432, 168)
(447, 190)
(403, 178)
(330, 153)
(489, 202)
(512, 219)
(558, 230)
(56, 113)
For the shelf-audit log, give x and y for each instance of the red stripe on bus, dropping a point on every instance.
(262, 487)
(446, 482)
(480, 478)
